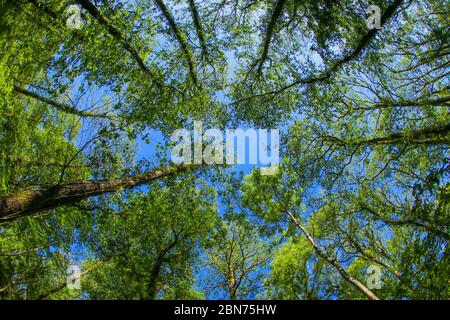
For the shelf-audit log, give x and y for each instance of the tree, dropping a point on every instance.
(364, 121)
(235, 262)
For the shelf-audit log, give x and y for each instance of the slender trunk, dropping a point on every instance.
(119, 36)
(326, 74)
(361, 287)
(441, 101)
(156, 270)
(232, 287)
(154, 277)
(270, 30)
(426, 136)
(400, 222)
(198, 27)
(64, 284)
(60, 106)
(181, 38)
(39, 198)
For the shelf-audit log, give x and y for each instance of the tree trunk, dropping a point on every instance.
(39, 198)
(156, 270)
(154, 277)
(366, 291)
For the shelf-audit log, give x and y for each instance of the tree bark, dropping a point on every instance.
(38, 198)
(156, 270)
(64, 284)
(181, 38)
(327, 73)
(334, 262)
(269, 33)
(198, 27)
(119, 36)
(58, 105)
(427, 136)
(154, 277)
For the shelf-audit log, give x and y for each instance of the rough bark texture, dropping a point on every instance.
(38, 198)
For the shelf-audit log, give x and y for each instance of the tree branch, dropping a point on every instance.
(269, 33)
(428, 136)
(118, 35)
(326, 74)
(181, 38)
(60, 106)
(198, 27)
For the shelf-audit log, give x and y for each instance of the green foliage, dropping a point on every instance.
(364, 122)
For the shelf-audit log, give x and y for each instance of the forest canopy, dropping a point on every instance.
(91, 92)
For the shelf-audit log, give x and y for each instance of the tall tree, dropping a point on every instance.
(364, 121)
(235, 262)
